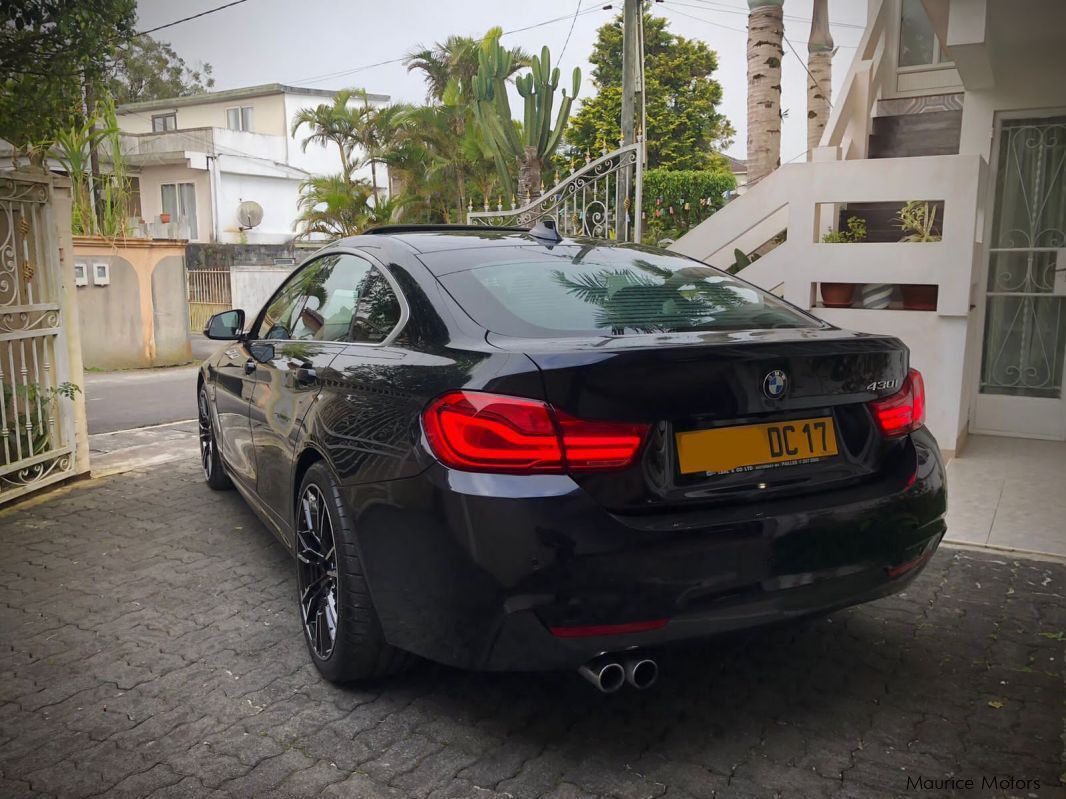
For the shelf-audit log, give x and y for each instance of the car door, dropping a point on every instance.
(290, 361)
(233, 386)
(235, 380)
(363, 420)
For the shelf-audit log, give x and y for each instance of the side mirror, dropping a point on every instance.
(225, 326)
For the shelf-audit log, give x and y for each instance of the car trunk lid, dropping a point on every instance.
(689, 386)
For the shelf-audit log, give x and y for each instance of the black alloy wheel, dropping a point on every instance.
(214, 473)
(339, 620)
(316, 558)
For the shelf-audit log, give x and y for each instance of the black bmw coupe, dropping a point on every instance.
(503, 449)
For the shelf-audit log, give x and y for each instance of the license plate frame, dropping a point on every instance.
(750, 447)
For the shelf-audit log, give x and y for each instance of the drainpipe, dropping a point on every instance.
(213, 176)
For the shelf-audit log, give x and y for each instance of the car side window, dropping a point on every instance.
(281, 313)
(331, 292)
(378, 311)
(318, 302)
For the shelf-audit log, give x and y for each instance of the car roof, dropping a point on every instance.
(438, 238)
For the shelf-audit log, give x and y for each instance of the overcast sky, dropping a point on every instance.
(331, 44)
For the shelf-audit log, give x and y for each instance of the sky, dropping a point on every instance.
(334, 44)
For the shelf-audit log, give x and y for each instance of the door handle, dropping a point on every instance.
(305, 376)
(249, 366)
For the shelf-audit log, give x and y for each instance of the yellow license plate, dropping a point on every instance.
(756, 446)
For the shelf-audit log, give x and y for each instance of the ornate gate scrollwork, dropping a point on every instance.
(586, 203)
(36, 416)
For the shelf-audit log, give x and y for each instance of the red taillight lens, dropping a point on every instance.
(593, 446)
(904, 411)
(480, 432)
(488, 433)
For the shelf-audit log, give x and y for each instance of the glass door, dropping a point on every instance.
(1024, 349)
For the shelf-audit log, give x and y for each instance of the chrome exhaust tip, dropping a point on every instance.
(641, 673)
(607, 675)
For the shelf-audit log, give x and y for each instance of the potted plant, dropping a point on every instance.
(917, 219)
(164, 218)
(841, 295)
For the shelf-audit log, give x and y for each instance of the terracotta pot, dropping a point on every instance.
(919, 297)
(164, 218)
(837, 295)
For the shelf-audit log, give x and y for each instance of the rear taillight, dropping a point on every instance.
(904, 411)
(479, 432)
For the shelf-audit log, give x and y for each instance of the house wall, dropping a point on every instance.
(278, 197)
(140, 318)
(152, 177)
(268, 116)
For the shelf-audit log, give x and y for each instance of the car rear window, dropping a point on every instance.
(572, 290)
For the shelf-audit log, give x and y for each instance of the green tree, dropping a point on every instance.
(333, 205)
(333, 123)
(50, 50)
(685, 128)
(453, 64)
(148, 69)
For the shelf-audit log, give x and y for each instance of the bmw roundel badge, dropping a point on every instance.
(775, 384)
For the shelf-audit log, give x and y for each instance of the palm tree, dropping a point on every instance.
(333, 205)
(334, 123)
(454, 63)
(765, 32)
(374, 126)
(820, 73)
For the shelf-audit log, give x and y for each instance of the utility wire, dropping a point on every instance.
(353, 70)
(803, 64)
(570, 32)
(725, 8)
(194, 16)
(701, 19)
(738, 30)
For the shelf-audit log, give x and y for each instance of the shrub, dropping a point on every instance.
(677, 200)
(855, 233)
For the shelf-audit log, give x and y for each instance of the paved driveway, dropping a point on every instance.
(150, 648)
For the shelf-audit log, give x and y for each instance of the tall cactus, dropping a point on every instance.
(537, 140)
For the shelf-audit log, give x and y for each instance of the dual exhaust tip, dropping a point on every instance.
(609, 674)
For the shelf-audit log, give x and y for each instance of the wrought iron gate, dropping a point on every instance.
(208, 293)
(587, 203)
(36, 412)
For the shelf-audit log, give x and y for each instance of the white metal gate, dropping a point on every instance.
(36, 408)
(593, 201)
(208, 293)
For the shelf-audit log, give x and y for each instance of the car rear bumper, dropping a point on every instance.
(517, 573)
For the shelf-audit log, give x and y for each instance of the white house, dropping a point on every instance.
(199, 158)
(961, 103)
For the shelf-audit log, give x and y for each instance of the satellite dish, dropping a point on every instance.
(249, 214)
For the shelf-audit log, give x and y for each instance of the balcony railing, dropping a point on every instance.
(215, 141)
(805, 201)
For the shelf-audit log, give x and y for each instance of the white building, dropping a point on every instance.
(198, 158)
(961, 103)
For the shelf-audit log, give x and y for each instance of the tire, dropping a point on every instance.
(339, 622)
(210, 461)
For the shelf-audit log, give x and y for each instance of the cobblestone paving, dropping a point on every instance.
(150, 648)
